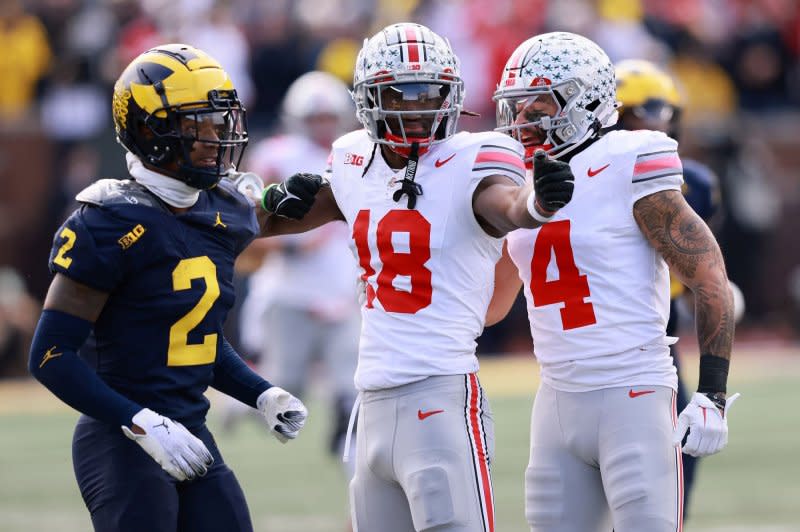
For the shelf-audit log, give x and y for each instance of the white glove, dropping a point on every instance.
(707, 426)
(248, 183)
(285, 413)
(179, 452)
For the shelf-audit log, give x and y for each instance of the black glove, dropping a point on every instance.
(294, 197)
(553, 182)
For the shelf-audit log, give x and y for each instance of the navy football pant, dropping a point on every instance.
(126, 490)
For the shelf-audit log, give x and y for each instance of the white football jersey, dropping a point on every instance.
(429, 271)
(317, 272)
(597, 292)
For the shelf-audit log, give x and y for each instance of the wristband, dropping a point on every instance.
(713, 374)
(531, 204)
(264, 197)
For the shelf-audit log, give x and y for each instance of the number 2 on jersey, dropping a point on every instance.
(61, 259)
(181, 352)
(394, 264)
(571, 287)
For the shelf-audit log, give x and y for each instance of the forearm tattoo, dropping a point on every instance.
(692, 253)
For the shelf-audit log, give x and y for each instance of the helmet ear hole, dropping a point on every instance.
(593, 105)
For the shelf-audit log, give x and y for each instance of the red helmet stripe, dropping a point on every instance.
(411, 42)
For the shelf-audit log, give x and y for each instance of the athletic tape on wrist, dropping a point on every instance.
(264, 197)
(713, 374)
(531, 204)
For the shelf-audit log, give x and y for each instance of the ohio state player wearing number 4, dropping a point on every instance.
(596, 279)
(427, 208)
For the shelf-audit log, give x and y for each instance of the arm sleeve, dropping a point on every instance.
(235, 378)
(54, 361)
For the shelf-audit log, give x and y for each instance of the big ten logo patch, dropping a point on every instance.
(355, 160)
(130, 238)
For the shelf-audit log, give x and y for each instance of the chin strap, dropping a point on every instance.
(408, 186)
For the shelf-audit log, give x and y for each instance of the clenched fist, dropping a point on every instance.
(553, 183)
(294, 197)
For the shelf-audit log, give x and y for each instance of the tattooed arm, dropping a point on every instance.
(693, 255)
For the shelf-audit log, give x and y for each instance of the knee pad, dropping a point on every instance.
(430, 497)
(625, 478)
(544, 496)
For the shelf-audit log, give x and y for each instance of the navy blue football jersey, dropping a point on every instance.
(700, 188)
(170, 280)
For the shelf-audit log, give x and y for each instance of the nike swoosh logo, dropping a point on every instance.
(440, 163)
(633, 394)
(422, 415)
(592, 173)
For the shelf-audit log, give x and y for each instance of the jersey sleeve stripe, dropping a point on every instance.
(651, 154)
(500, 157)
(656, 164)
(500, 147)
(650, 177)
(507, 170)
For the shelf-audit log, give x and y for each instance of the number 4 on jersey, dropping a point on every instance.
(571, 287)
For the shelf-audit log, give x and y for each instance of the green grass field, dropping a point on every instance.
(754, 485)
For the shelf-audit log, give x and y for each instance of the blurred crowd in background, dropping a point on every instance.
(737, 62)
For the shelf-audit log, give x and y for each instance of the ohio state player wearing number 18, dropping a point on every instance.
(427, 208)
(596, 281)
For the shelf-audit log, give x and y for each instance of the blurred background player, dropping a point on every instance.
(301, 305)
(145, 265)
(650, 99)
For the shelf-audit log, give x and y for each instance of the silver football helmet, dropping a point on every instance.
(572, 70)
(318, 105)
(407, 87)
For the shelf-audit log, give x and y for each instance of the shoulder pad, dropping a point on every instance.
(234, 189)
(481, 140)
(492, 153)
(354, 138)
(620, 142)
(106, 192)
